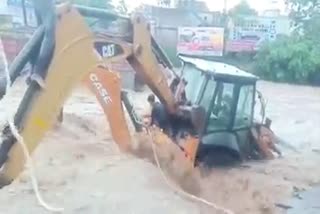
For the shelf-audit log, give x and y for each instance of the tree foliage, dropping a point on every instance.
(288, 59)
(294, 58)
(302, 10)
(306, 15)
(242, 9)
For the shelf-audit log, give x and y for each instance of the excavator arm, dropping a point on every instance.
(81, 55)
(145, 55)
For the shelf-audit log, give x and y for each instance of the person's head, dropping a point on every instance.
(151, 99)
(268, 123)
(227, 98)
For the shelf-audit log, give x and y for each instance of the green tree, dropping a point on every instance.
(288, 59)
(306, 16)
(294, 58)
(242, 9)
(238, 13)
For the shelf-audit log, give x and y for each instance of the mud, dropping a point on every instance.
(80, 168)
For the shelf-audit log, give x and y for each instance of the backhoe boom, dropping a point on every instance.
(81, 55)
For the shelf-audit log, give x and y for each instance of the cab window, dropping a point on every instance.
(208, 94)
(245, 105)
(195, 80)
(220, 113)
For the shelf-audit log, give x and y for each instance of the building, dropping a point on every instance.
(248, 33)
(191, 5)
(13, 33)
(166, 21)
(14, 8)
(245, 34)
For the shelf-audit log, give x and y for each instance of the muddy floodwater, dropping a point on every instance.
(80, 168)
(306, 202)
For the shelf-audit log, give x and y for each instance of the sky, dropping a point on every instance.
(217, 5)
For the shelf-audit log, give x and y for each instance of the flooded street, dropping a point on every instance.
(80, 168)
(295, 111)
(307, 202)
(79, 165)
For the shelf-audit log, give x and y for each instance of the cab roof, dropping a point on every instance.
(219, 70)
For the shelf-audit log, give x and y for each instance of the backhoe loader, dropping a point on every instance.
(203, 133)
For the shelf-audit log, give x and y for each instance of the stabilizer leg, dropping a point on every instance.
(73, 59)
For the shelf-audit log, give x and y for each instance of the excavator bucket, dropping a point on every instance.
(174, 160)
(265, 140)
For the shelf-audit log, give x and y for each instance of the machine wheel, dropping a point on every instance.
(220, 157)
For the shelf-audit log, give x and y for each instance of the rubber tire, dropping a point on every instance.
(220, 157)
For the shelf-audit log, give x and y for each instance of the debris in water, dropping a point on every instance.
(283, 206)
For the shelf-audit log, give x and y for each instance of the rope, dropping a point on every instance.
(20, 139)
(34, 180)
(179, 190)
(15, 131)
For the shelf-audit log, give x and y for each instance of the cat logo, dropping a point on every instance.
(108, 50)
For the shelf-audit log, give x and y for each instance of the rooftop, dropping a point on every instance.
(218, 68)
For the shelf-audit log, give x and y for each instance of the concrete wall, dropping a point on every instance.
(284, 25)
(16, 12)
(170, 16)
(167, 38)
(166, 21)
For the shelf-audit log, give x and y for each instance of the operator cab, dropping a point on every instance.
(227, 95)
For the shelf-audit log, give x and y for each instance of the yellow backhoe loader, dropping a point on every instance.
(207, 126)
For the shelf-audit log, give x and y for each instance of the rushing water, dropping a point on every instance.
(307, 203)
